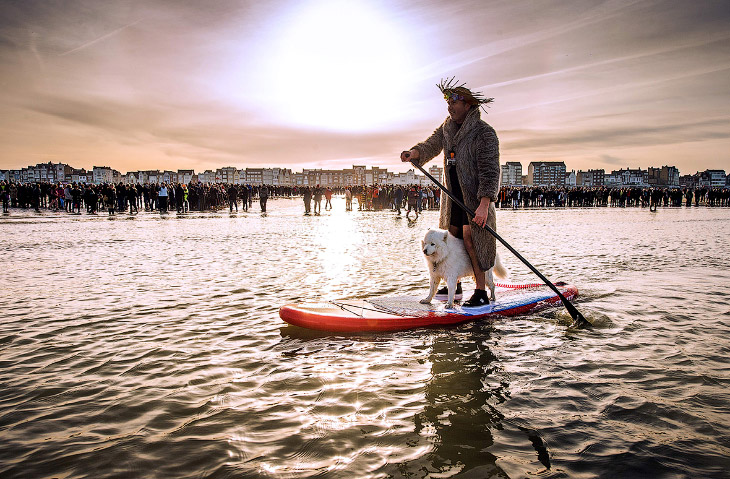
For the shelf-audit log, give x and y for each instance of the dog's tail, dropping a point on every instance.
(499, 270)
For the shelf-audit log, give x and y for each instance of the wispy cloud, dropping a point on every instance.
(644, 55)
(612, 160)
(621, 136)
(99, 39)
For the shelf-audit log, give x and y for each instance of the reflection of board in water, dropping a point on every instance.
(396, 313)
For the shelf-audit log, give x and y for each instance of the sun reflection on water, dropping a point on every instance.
(338, 244)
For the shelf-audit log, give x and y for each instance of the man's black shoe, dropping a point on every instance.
(479, 298)
(443, 293)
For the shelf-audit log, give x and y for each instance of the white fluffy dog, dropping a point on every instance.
(447, 259)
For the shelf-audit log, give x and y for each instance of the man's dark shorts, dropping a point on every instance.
(458, 215)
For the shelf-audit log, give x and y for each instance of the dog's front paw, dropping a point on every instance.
(425, 301)
(449, 305)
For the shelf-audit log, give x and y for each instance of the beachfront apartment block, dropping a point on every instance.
(713, 178)
(11, 175)
(103, 174)
(590, 178)
(281, 177)
(570, 178)
(512, 173)
(705, 179)
(546, 173)
(45, 173)
(628, 177)
(437, 172)
(80, 175)
(664, 176)
(357, 175)
(254, 176)
(407, 178)
(228, 175)
(185, 176)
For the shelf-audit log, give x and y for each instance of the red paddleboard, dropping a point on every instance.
(397, 313)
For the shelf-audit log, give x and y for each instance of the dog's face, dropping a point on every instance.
(434, 243)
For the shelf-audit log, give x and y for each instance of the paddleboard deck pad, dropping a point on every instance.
(398, 313)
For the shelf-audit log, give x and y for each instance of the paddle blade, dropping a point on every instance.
(579, 321)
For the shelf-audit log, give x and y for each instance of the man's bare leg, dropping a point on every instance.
(479, 277)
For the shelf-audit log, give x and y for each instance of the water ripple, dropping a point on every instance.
(152, 347)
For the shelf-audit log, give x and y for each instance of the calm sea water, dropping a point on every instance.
(149, 346)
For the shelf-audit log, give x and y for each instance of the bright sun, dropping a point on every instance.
(336, 66)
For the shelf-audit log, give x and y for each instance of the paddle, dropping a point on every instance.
(578, 320)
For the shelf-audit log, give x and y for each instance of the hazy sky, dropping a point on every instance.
(156, 84)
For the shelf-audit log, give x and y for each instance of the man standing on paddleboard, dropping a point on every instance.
(471, 164)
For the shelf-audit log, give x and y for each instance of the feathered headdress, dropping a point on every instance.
(452, 90)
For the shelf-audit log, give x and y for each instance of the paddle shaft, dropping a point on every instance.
(578, 319)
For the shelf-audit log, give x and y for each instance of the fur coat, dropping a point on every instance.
(476, 149)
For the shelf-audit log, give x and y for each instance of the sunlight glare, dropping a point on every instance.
(335, 66)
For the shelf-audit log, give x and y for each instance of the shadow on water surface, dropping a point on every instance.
(460, 409)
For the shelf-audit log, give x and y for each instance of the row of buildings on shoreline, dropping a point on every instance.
(554, 174)
(539, 173)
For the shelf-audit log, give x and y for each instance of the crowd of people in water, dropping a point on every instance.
(163, 198)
